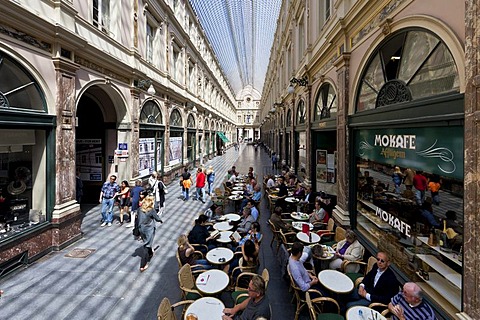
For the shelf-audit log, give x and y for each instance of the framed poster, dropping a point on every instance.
(321, 167)
(175, 150)
(146, 156)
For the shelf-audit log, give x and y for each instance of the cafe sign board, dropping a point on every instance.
(436, 150)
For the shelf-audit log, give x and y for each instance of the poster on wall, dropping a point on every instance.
(302, 150)
(89, 159)
(321, 168)
(175, 150)
(331, 166)
(146, 156)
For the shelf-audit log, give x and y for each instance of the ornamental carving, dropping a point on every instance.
(22, 36)
(394, 91)
(106, 72)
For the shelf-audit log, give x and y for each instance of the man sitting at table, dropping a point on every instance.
(214, 213)
(408, 304)
(254, 307)
(308, 201)
(253, 210)
(278, 222)
(255, 196)
(247, 219)
(303, 279)
(270, 182)
(379, 285)
(200, 235)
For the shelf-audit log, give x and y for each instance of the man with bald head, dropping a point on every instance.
(379, 285)
(408, 304)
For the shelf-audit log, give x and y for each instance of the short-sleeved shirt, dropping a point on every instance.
(109, 189)
(255, 310)
(421, 312)
(200, 183)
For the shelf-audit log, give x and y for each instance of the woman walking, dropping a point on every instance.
(159, 191)
(210, 179)
(124, 199)
(147, 215)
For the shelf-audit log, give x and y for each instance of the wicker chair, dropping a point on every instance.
(365, 267)
(299, 295)
(195, 266)
(318, 306)
(338, 235)
(187, 283)
(165, 309)
(241, 286)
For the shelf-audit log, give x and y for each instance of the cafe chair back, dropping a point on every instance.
(366, 269)
(329, 228)
(195, 268)
(337, 237)
(323, 308)
(380, 307)
(187, 283)
(288, 238)
(299, 295)
(166, 310)
(275, 235)
(241, 285)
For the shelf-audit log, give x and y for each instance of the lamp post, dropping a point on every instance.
(302, 82)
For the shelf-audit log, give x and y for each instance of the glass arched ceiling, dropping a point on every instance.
(241, 34)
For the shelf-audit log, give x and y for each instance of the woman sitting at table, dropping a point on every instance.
(187, 254)
(249, 259)
(247, 220)
(348, 249)
(299, 191)
(254, 235)
(319, 216)
(200, 235)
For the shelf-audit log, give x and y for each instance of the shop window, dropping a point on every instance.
(411, 65)
(289, 118)
(151, 139)
(409, 190)
(22, 180)
(326, 103)
(301, 112)
(18, 89)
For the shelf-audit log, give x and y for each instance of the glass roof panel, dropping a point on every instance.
(241, 34)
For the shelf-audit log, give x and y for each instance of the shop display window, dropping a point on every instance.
(420, 229)
(22, 181)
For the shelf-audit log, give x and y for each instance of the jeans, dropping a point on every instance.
(210, 187)
(107, 210)
(419, 196)
(186, 193)
(200, 193)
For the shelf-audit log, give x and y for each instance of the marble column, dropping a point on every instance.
(471, 260)
(340, 213)
(135, 132)
(308, 131)
(66, 216)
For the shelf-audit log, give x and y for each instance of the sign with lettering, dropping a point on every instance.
(437, 150)
(394, 221)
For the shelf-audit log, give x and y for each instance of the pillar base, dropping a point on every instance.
(341, 217)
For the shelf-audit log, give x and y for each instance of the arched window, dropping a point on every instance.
(18, 89)
(176, 118)
(289, 118)
(326, 103)
(190, 121)
(207, 125)
(412, 64)
(151, 113)
(301, 112)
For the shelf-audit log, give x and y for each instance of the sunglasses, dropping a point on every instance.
(381, 260)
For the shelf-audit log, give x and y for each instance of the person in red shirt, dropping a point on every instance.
(200, 184)
(420, 183)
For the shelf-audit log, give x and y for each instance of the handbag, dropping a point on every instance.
(136, 231)
(165, 190)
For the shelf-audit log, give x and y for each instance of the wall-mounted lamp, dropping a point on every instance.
(210, 115)
(302, 82)
(278, 104)
(194, 109)
(273, 109)
(142, 84)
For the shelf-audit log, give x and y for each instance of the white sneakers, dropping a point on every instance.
(103, 224)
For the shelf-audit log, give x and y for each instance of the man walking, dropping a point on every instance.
(107, 197)
(200, 184)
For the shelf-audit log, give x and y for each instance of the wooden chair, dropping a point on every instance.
(380, 307)
(275, 234)
(241, 286)
(366, 269)
(299, 295)
(329, 228)
(318, 306)
(187, 283)
(177, 255)
(165, 309)
(288, 238)
(354, 269)
(338, 235)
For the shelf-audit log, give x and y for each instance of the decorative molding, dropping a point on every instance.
(28, 39)
(377, 21)
(104, 71)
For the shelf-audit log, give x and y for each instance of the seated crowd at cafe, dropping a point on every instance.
(293, 209)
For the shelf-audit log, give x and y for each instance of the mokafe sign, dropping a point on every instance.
(394, 221)
(436, 150)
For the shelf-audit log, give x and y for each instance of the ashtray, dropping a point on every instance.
(221, 259)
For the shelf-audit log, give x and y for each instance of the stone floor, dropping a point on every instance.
(107, 284)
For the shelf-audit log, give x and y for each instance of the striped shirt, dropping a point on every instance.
(421, 312)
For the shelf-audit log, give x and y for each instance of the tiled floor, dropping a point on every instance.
(108, 285)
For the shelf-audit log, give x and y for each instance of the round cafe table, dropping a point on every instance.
(300, 216)
(219, 256)
(225, 237)
(292, 200)
(239, 192)
(368, 313)
(302, 236)
(222, 226)
(232, 217)
(299, 225)
(207, 308)
(238, 188)
(335, 281)
(212, 281)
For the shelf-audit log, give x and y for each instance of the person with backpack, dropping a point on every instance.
(210, 179)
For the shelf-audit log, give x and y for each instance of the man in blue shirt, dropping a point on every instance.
(107, 198)
(253, 210)
(408, 304)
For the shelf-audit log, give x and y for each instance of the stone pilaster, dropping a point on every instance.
(471, 260)
(340, 213)
(308, 130)
(66, 215)
(135, 132)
